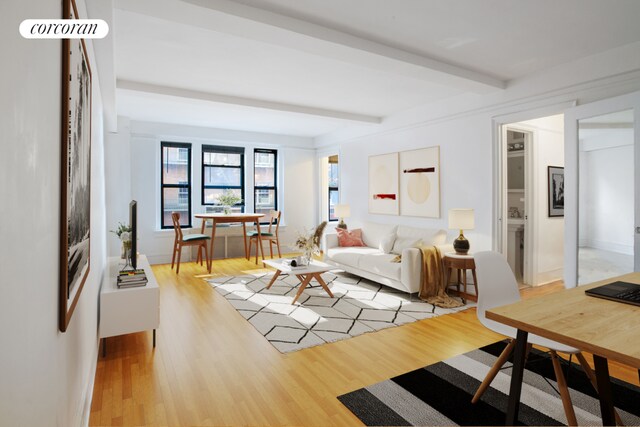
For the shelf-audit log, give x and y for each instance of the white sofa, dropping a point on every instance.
(384, 242)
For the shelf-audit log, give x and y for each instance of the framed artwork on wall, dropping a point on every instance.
(75, 203)
(383, 184)
(420, 182)
(555, 180)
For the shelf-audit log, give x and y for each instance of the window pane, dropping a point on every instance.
(175, 165)
(333, 174)
(265, 170)
(265, 200)
(333, 201)
(222, 159)
(175, 200)
(211, 194)
(222, 176)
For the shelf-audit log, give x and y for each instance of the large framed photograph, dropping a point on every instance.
(383, 184)
(555, 179)
(420, 182)
(75, 203)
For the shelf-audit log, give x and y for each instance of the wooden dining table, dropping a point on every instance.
(221, 218)
(606, 329)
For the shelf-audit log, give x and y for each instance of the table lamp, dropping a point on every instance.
(342, 212)
(461, 219)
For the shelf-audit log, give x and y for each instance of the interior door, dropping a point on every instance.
(602, 189)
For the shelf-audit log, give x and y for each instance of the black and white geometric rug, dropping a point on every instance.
(359, 306)
(440, 394)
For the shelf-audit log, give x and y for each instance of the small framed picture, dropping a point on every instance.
(555, 179)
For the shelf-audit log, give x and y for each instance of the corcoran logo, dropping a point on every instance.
(64, 28)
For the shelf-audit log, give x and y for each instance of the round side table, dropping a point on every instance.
(460, 263)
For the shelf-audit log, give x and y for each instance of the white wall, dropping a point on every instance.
(117, 159)
(465, 128)
(297, 169)
(607, 191)
(45, 376)
(465, 164)
(547, 150)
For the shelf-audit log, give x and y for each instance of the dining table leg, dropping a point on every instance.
(259, 241)
(213, 237)
(517, 373)
(244, 238)
(604, 390)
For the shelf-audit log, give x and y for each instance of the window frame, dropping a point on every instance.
(188, 186)
(222, 149)
(273, 187)
(331, 189)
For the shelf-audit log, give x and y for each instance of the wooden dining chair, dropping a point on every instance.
(182, 240)
(271, 235)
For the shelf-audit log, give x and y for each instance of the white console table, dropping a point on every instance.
(128, 310)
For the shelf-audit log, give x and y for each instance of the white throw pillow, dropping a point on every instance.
(386, 244)
(404, 243)
(377, 235)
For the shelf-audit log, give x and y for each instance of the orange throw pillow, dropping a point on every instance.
(348, 238)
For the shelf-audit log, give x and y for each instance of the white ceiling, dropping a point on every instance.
(309, 67)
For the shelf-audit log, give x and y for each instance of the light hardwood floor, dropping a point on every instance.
(211, 367)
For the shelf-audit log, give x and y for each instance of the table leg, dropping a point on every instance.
(303, 285)
(154, 338)
(604, 390)
(213, 237)
(320, 280)
(464, 285)
(516, 377)
(244, 237)
(475, 282)
(273, 279)
(259, 241)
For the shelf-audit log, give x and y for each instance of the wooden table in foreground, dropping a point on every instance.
(218, 218)
(607, 329)
(304, 274)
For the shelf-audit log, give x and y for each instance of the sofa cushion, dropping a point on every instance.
(351, 255)
(379, 236)
(348, 238)
(402, 243)
(429, 236)
(381, 264)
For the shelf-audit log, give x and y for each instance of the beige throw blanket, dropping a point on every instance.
(433, 286)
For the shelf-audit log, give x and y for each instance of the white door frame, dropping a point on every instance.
(629, 101)
(500, 165)
(530, 244)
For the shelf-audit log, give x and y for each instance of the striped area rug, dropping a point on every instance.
(440, 394)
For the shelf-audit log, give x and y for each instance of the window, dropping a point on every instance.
(265, 169)
(175, 181)
(334, 194)
(222, 170)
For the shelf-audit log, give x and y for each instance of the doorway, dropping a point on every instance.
(530, 230)
(602, 200)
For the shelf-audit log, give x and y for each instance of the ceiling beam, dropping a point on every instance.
(258, 24)
(246, 102)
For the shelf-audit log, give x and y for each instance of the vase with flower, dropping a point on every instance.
(309, 243)
(227, 200)
(123, 231)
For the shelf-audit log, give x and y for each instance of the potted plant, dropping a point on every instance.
(309, 242)
(123, 231)
(228, 199)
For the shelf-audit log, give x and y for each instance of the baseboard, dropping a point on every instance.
(86, 411)
(546, 277)
(610, 246)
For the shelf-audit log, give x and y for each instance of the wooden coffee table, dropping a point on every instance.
(304, 274)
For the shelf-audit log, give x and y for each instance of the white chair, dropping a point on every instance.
(497, 286)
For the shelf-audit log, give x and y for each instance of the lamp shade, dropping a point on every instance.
(342, 211)
(461, 219)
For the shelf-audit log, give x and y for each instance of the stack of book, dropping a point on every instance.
(132, 278)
